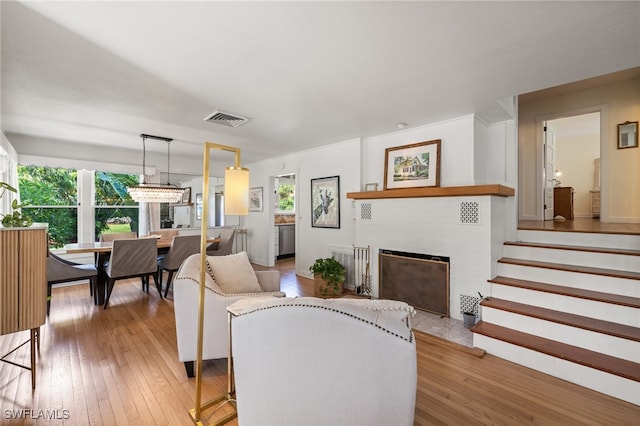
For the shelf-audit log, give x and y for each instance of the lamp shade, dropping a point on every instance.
(236, 191)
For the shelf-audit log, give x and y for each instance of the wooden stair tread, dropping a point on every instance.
(616, 366)
(586, 323)
(572, 268)
(606, 250)
(615, 299)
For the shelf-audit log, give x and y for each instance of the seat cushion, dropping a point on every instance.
(233, 273)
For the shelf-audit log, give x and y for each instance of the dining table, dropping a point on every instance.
(102, 251)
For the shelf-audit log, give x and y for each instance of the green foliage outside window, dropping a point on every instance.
(286, 197)
(51, 187)
(50, 195)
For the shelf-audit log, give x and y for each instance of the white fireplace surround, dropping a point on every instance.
(469, 230)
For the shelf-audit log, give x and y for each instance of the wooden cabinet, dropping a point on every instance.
(23, 278)
(23, 286)
(595, 203)
(563, 202)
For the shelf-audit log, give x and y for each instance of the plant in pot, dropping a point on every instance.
(328, 277)
(15, 218)
(469, 317)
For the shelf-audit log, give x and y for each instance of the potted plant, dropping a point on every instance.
(469, 317)
(328, 277)
(14, 219)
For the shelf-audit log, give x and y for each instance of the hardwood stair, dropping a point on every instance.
(608, 364)
(572, 268)
(569, 310)
(606, 327)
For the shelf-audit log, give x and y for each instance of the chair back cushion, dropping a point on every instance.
(133, 257)
(182, 246)
(118, 236)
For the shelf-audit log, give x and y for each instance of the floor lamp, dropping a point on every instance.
(236, 202)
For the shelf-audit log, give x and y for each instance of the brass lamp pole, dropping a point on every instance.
(236, 193)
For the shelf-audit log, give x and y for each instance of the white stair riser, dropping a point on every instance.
(605, 284)
(609, 384)
(631, 242)
(573, 257)
(593, 341)
(572, 305)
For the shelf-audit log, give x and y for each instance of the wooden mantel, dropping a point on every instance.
(449, 191)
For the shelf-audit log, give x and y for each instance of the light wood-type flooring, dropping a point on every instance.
(120, 367)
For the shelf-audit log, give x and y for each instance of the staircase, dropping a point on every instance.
(568, 304)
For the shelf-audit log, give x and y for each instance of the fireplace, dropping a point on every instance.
(421, 280)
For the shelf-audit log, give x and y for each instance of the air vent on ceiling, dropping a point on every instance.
(226, 119)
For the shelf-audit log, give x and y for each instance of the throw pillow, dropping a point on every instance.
(234, 273)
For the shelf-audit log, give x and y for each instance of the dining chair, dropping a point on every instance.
(225, 246)
(60, 270)
(132, 258)
(117, 236)
(182, 246)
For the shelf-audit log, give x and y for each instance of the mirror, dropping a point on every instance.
(628, 135)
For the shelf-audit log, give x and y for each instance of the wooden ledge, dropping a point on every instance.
(449, 191)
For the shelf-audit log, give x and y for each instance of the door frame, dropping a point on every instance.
(604, 155)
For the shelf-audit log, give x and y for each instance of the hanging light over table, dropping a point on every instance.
(155, 193)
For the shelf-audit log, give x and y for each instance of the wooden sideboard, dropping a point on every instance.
(23, 283)
(563, 202)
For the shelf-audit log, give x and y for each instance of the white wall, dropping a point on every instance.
(576, 157)
(472, 153)
(341, 159)
(620, 168)
(456, 158)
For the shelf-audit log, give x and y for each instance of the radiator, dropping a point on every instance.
(344, 255)
(356, 264)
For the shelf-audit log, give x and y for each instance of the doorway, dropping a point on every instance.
(285, 215)
(576, 182)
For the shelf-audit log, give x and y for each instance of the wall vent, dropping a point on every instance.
(226, 119)
(469, 304)
(469, 213)
(366, 210)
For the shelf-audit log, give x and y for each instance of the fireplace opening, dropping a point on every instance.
(421, 280)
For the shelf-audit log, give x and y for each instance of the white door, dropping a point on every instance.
(549, 171)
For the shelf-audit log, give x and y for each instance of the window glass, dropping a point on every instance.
(50, 195)
(115, 211)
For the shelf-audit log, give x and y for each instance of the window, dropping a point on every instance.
(285, 194)
(115, 211)
(51, 196)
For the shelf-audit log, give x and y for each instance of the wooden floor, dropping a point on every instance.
(581, 225)
(120, 367)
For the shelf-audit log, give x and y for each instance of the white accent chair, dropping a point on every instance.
(309, 361)
(186, 296)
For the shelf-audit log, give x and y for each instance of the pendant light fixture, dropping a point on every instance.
(155, 193)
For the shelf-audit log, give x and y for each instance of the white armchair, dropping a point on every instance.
(186, 296)
(309, 361)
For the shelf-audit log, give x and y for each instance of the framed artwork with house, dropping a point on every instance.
(411, 166)
(325, 202)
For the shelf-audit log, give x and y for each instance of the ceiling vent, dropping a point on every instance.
(226, 119)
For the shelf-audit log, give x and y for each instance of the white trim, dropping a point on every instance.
(37, 160)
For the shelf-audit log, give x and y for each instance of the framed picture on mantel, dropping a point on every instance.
(411, 166)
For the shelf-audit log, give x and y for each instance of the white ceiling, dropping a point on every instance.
(306, 73)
